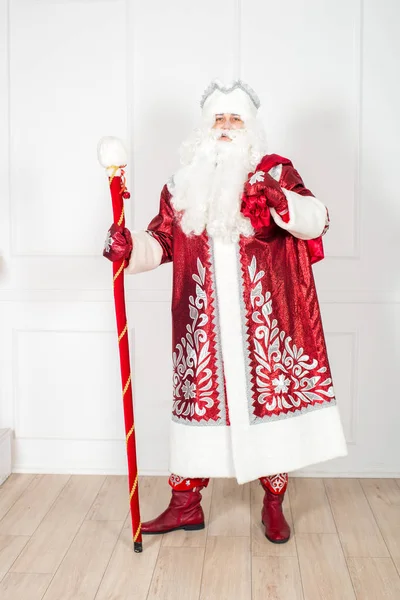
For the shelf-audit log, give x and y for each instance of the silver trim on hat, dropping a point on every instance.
(226, 89)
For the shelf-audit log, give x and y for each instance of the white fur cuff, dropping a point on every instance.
(146, 253)
(307, 216)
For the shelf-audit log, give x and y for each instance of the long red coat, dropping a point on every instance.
(252, 388)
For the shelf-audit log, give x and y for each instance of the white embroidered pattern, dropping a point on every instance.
(175, 480)
(276, 172)
(189, 389)
(258, 176)
(191, 358)
(109, 242)
(281, 384)
(277, 482)
(283, 373)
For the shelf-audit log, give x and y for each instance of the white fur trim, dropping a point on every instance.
(111, 151)
(171, 185)
(146, 253)
(236, 102)
(259, 449)
(201, 451)
(249, 452)
(288, 445)
(307, 216)
(276, 446)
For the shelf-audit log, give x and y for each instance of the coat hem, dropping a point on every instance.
(262, 450)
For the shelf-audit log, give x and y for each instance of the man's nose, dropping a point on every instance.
(227, 124)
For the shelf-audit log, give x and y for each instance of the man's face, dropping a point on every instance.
(227, 121)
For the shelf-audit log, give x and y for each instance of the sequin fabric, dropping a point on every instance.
(286, 360)
(198, 378)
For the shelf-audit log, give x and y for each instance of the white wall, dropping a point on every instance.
(72, 71)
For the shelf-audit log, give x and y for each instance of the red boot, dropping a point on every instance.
(277, 529)
(184, 512)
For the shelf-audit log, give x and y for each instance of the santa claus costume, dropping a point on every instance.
(252, 390)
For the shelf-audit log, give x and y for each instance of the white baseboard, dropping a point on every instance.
(100, 471)
(5, 454)
(107, 457)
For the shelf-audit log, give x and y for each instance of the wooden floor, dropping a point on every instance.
(68, 537)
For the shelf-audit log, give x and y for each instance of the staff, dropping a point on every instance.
(112, 157)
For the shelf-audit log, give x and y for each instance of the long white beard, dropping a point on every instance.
(209, 186)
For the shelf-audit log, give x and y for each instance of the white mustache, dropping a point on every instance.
(232, 134)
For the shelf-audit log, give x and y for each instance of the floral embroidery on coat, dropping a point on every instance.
(257, 177)
(193, 385)
(286, 378)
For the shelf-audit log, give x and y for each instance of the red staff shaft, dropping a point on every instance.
(117, 188)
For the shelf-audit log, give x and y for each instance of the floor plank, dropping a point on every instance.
(54, 535)
(177, 574)
(230, 509)
(83, 567)
(10, 548)
(82, 527)
(374, 578)
(227, 569)
(24, 586)
(125, 566)
(112, 502)
(323, 567)
(12, 489)
(310, 506)
(260, 545)
(129, 575)
(383, 496)
(192, 539)
(276, 578)
(357, 528)
(28, 511)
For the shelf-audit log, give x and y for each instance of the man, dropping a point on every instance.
(252, 389)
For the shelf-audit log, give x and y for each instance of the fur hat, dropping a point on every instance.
(235, 98)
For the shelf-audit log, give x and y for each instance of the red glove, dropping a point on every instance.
(256, 209)
(118, 244)
(262, 184)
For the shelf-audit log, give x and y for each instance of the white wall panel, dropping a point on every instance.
(342, 347)
(178, 48)
(5, 364)
(152, 382)
(73, 71)
(4, 124)
(67, 390)
(70, 456)
(367, 398)
(67, 385)
(67, 89)
(380, 216)
(304, 60)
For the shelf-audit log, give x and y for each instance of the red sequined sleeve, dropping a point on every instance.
(290, 180)
(161, 226)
